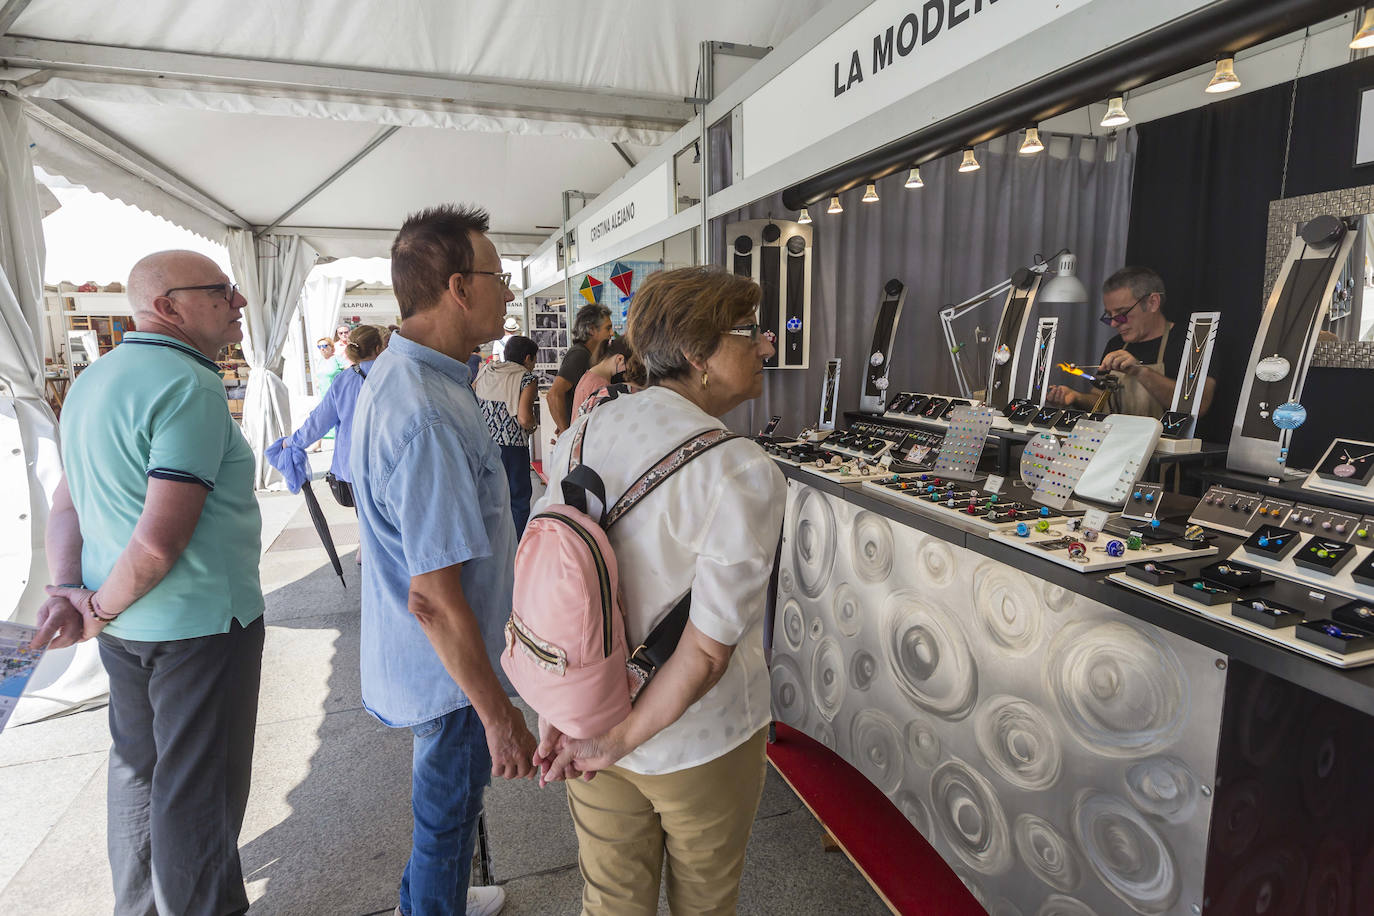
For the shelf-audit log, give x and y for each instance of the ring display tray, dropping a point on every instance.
(1096, 561)
(1222, 613)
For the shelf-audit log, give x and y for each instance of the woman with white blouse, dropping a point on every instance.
(677, 783)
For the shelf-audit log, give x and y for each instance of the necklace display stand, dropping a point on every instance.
(1330, 474)
(1180, 421)
(874, 393)
(1045, 332)
(777, 254)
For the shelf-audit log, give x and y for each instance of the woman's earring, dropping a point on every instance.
(703, 380)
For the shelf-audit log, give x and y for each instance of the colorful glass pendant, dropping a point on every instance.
(1272, 369)
(1344, 470)
(1002, 355)
(1290, 415)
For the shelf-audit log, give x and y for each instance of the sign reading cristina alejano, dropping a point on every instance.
(645, 204)
(614, 221)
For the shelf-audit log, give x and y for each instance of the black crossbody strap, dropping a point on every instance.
(664, 468)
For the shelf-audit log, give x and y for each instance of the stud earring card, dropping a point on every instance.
(964, 441)
(1071, 459)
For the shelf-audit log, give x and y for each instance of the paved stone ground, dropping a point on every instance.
(328, 823)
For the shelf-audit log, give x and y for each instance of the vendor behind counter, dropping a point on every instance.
(1145, 353)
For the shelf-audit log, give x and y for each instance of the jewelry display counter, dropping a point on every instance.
(1066, 745)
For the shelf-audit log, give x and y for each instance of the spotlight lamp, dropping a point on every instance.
(1364, 38)
(1031, 145)
(870, 193)
(970, 163)
(834, 205)
(1116, 113)
(1225, 79)
(804, 218)
(913, 179)
(1065, 285)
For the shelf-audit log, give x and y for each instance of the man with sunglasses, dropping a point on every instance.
(153, 547)
(1145, 353)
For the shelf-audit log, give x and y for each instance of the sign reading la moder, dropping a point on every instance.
(918, 27)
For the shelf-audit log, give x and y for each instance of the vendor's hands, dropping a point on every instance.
(59, 624)
(511, 745)
(82, 600)
(1120, 361)
(1060, 396)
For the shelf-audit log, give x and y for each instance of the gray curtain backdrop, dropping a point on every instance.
(957, 236)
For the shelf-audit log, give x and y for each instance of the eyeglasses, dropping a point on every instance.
(1119, 318)
(227, 290)
(503, 276)
(323, 346)
(745, 330)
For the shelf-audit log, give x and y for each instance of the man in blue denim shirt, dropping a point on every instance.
(437, 531)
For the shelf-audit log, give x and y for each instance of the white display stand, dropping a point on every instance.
(1350, 490)
(1097, 561)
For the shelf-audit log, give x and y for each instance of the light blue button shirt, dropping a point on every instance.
(431, 492)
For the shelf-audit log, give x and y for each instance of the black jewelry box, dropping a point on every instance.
(1338, 553)
(1162, 574)
(1364, 573)
(1356, 613)
(1204, 592)
(1234, 575)
(1313, 631)
(1272, 541)
(1269, 614)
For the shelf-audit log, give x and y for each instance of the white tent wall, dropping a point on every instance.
(28, 430)
(271, 271)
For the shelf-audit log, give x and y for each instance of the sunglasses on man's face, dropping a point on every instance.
(1113, 320)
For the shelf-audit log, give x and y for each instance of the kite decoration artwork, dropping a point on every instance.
(623, 277)
(591, 290)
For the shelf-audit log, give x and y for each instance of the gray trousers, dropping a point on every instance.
(182, 719)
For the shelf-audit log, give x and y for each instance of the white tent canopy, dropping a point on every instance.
(251, 114)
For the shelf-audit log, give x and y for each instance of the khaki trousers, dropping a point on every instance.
(699, 817)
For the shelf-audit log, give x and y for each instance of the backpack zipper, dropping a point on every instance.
(539, 651)
(603, 575)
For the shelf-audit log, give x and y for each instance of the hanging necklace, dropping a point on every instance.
(1275, 368)
(1347, 467)
(1193, 367)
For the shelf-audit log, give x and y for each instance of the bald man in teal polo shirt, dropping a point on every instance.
(153, 548)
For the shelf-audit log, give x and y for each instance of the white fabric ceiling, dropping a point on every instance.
(231, 112)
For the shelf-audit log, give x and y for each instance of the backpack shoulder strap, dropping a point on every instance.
(664, 468)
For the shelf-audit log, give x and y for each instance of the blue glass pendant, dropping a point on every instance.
(1289, 415)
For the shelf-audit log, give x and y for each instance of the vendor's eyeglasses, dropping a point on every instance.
(1119, 318)
(227, 290)
(745, 330)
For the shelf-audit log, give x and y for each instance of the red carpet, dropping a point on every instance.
(906, 872)
(539, 469)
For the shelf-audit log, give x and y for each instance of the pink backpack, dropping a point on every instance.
(565, 641)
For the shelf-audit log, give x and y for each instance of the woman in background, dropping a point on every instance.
(506, 390)
(615, 354)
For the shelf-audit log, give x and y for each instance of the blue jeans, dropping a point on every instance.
(451, 766)
(516, 459)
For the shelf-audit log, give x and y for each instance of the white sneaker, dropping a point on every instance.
(485, 901)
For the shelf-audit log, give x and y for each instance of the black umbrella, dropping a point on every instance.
(322, 529)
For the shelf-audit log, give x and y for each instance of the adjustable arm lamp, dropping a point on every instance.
(1064, 287)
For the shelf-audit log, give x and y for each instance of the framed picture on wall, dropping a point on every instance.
(1364, 134)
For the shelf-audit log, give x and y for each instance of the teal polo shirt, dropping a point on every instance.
(155, 407)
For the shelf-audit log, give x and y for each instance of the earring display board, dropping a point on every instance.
(1123, 453)
(874, 393)
(1347, 469)
(1041, 359)
(1072, 458)
(1180, 421)
(776, 254)
(964, 441)
(1270, 407)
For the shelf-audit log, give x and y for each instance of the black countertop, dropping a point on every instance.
(1352, 687)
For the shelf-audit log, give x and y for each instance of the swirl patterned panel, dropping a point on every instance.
(863, 668)
(922, 742)
(1007, 608)
(1056, 597)
(813, 542)
(1018, 741)
(1125, 852)
(828, 678)
(848, 611)
(1047, 853)
(968, 812)
(790, 702)
(1058, 905)
(1330, 883)
(875, 745)
(793, 625)
(1164, 787)
(785, 581)
(929, 655)
(1237, 817)
(872, 547)
(914, 810)
(1122, 690)
(1270, 882)
(935, 562)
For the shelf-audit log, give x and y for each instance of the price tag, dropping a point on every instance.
(1096, 519)
(994, 484)
(885, 461)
